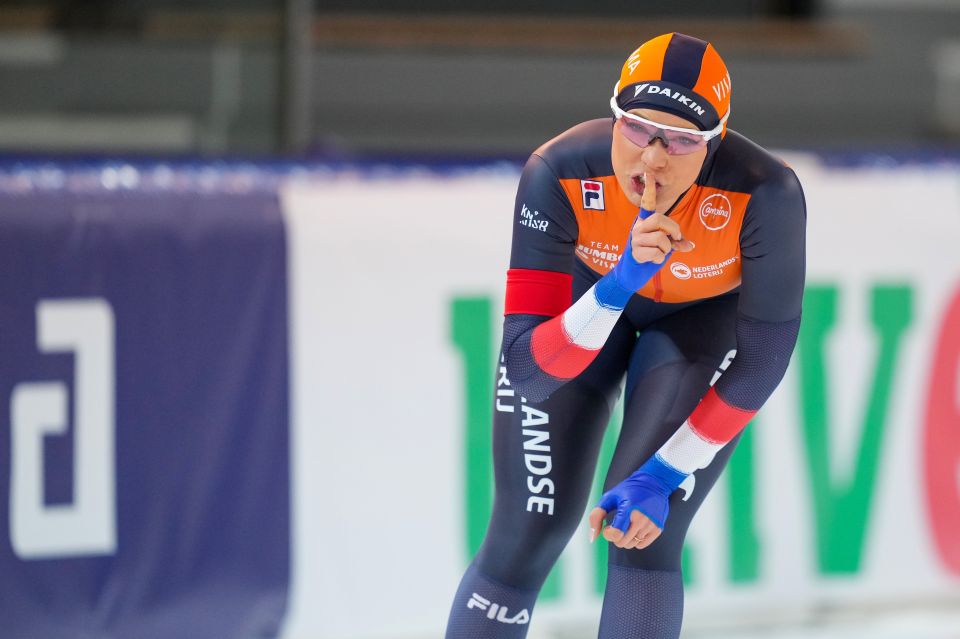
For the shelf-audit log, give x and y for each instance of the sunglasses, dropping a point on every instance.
(677, 141)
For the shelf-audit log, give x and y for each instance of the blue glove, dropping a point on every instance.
(648, 490)
(616, 287)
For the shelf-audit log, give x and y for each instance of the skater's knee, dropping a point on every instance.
(522, 555)
(663, 555)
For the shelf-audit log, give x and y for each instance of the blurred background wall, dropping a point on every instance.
(234, 299)
(341, 78)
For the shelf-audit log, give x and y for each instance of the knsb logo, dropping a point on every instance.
(681, 271)
(715, 211)
(592, 193)
(496, 611)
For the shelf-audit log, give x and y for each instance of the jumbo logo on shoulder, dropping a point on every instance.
(592, 193)
(715, 211)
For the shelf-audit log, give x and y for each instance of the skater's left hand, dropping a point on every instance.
(641, 533)
(640, 504)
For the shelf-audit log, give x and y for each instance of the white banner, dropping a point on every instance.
(842, 497)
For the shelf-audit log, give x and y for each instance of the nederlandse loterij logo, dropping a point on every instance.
(496, 611)
(592, 193)
(715, 211)
(681, 271)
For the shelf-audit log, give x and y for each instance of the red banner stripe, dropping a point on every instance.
(536, 292)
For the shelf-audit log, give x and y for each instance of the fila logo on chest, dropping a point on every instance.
(592, 194)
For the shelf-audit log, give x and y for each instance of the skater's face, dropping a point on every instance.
(674, 173)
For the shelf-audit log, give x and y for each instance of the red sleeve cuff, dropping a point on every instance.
(534, 292)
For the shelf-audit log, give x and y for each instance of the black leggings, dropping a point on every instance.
(543, 483)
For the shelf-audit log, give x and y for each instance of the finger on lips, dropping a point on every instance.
(649, 198)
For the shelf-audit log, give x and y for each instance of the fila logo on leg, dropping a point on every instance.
(498, 612)
(592, 192)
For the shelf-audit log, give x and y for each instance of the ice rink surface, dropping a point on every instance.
(940, 623)
(916, 625)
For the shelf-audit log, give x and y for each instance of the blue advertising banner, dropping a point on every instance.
(144, 463)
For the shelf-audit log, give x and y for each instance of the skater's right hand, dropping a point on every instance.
(653, 237)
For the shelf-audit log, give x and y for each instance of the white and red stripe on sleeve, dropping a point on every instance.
(708, 429)
(565, 346)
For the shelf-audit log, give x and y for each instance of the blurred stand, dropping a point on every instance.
(296, 73)
(271, 76)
